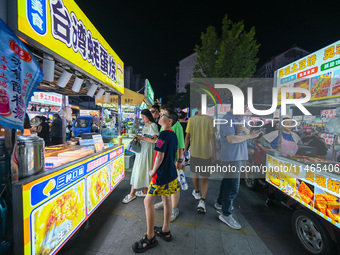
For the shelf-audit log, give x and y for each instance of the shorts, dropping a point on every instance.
(201, 163)
(163, 190)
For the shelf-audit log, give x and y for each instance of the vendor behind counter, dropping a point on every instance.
(317, 142)
(290, 140)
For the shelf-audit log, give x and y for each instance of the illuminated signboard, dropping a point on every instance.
(60, 26)
(89, 113)
(47, 98)
(56, 205)
(318, 72)
(149, 94)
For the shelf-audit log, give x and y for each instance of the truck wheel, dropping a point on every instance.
(311, 233)
(250, 181)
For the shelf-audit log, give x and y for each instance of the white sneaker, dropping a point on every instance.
(230, 221)
(128, 199)
(174, 215)
(196, 195)
(219, 206)
(201, 206)
(159, 206)
(140, 193)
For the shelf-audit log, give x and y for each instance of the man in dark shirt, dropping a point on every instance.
(56, 130)
(321, 147)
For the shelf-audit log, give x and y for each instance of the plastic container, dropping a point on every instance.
(120, 140)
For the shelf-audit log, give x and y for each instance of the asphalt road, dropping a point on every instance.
(272, 225)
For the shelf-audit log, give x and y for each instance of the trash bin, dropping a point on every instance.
(129, 160)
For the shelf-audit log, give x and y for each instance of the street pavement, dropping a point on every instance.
(115, 226)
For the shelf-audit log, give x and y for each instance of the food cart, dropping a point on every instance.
(311, 185)
(49, 205)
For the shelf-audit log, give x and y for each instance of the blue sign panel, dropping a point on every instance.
(36, 13)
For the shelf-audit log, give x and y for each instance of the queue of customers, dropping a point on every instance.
(52, 132)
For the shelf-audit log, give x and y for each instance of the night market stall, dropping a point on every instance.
(311, 183)
(51, 192)
(130, 102)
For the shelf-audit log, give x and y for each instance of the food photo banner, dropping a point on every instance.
(319, 72)
(315, 189)
(20, 74)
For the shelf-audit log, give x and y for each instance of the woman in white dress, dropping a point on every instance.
(144, 160)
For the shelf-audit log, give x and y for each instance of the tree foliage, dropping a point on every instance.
(232, 55)
(180, 100)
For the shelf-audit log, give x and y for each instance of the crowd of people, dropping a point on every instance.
(51, 132)
(154, 171)
(160, 146)
(165, 141)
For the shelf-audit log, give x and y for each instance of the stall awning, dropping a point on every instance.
(129, 98)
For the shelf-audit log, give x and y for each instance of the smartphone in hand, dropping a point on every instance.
(148, 136)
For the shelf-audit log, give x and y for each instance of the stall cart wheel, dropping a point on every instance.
(311, 233)
(250, 179)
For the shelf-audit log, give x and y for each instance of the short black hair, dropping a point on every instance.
(155, 106)
(173, 115)
(148, 114)
(56, 115)
(182, 115)
(168, 106)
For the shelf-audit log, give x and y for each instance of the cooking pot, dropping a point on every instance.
(30, 155)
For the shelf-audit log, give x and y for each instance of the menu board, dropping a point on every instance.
(56, 205)
(330, 113)
(329, 139)
(318, 72)
(98, 142)
(310, 185)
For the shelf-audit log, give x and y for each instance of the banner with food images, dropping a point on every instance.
(319, 72)
(117, 171)
(310, 185)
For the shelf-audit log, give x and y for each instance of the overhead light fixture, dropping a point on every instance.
(77, 84)
(92, 90)
(100, 93)
(48, 70)
(107, 97)
(63, 79)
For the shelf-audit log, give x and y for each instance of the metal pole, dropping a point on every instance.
(63, 117)
(119, 115)
(279, 140)
(334, 152)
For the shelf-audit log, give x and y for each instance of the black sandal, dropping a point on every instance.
(159, 232)
(150, 243)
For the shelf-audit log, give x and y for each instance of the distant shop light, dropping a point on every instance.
(48, 70)
(100, 93)
(64, 78)
(107, 97)
(77, 84)
(92, 90)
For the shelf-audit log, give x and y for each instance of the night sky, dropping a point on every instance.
(152, 36)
